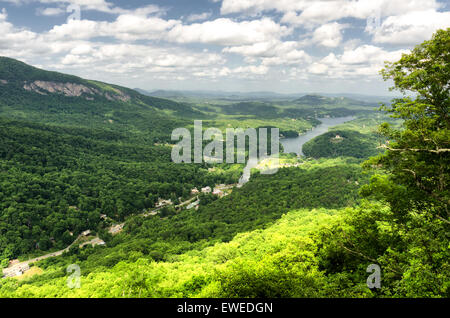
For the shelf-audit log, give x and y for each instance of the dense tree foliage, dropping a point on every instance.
(346, 143)
(279, 261)
(409, 238)
(418, 158)
(257, 205)
(57, 180)
(154, 117)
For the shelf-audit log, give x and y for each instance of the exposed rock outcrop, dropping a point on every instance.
(73, 90)
(121, 96)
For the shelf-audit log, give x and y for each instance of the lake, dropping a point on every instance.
(295, 144)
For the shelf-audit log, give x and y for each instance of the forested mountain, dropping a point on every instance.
(72, 150)
(346, 143)
(33, 94)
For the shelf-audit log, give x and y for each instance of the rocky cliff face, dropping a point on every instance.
(73, 90)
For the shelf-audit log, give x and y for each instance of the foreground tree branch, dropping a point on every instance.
(368, 258)
(438, 151)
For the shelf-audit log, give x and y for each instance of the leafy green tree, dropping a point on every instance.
(417, 156)
(416, 166)
(5, 256)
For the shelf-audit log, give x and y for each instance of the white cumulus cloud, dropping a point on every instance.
(329, 35)
(228, 32)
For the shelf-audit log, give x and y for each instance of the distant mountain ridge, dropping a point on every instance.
(247, 96)
(318, 100)
(214, 94)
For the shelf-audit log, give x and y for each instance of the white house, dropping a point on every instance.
(218, 192)
(206, 190)
(162, 203)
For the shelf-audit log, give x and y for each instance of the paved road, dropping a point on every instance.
(19, 268)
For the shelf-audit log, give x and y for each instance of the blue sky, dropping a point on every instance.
(287, 46)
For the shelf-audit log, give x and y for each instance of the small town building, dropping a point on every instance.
(161, 203)
(206, 190)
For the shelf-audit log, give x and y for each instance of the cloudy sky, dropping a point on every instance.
(288, 46)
